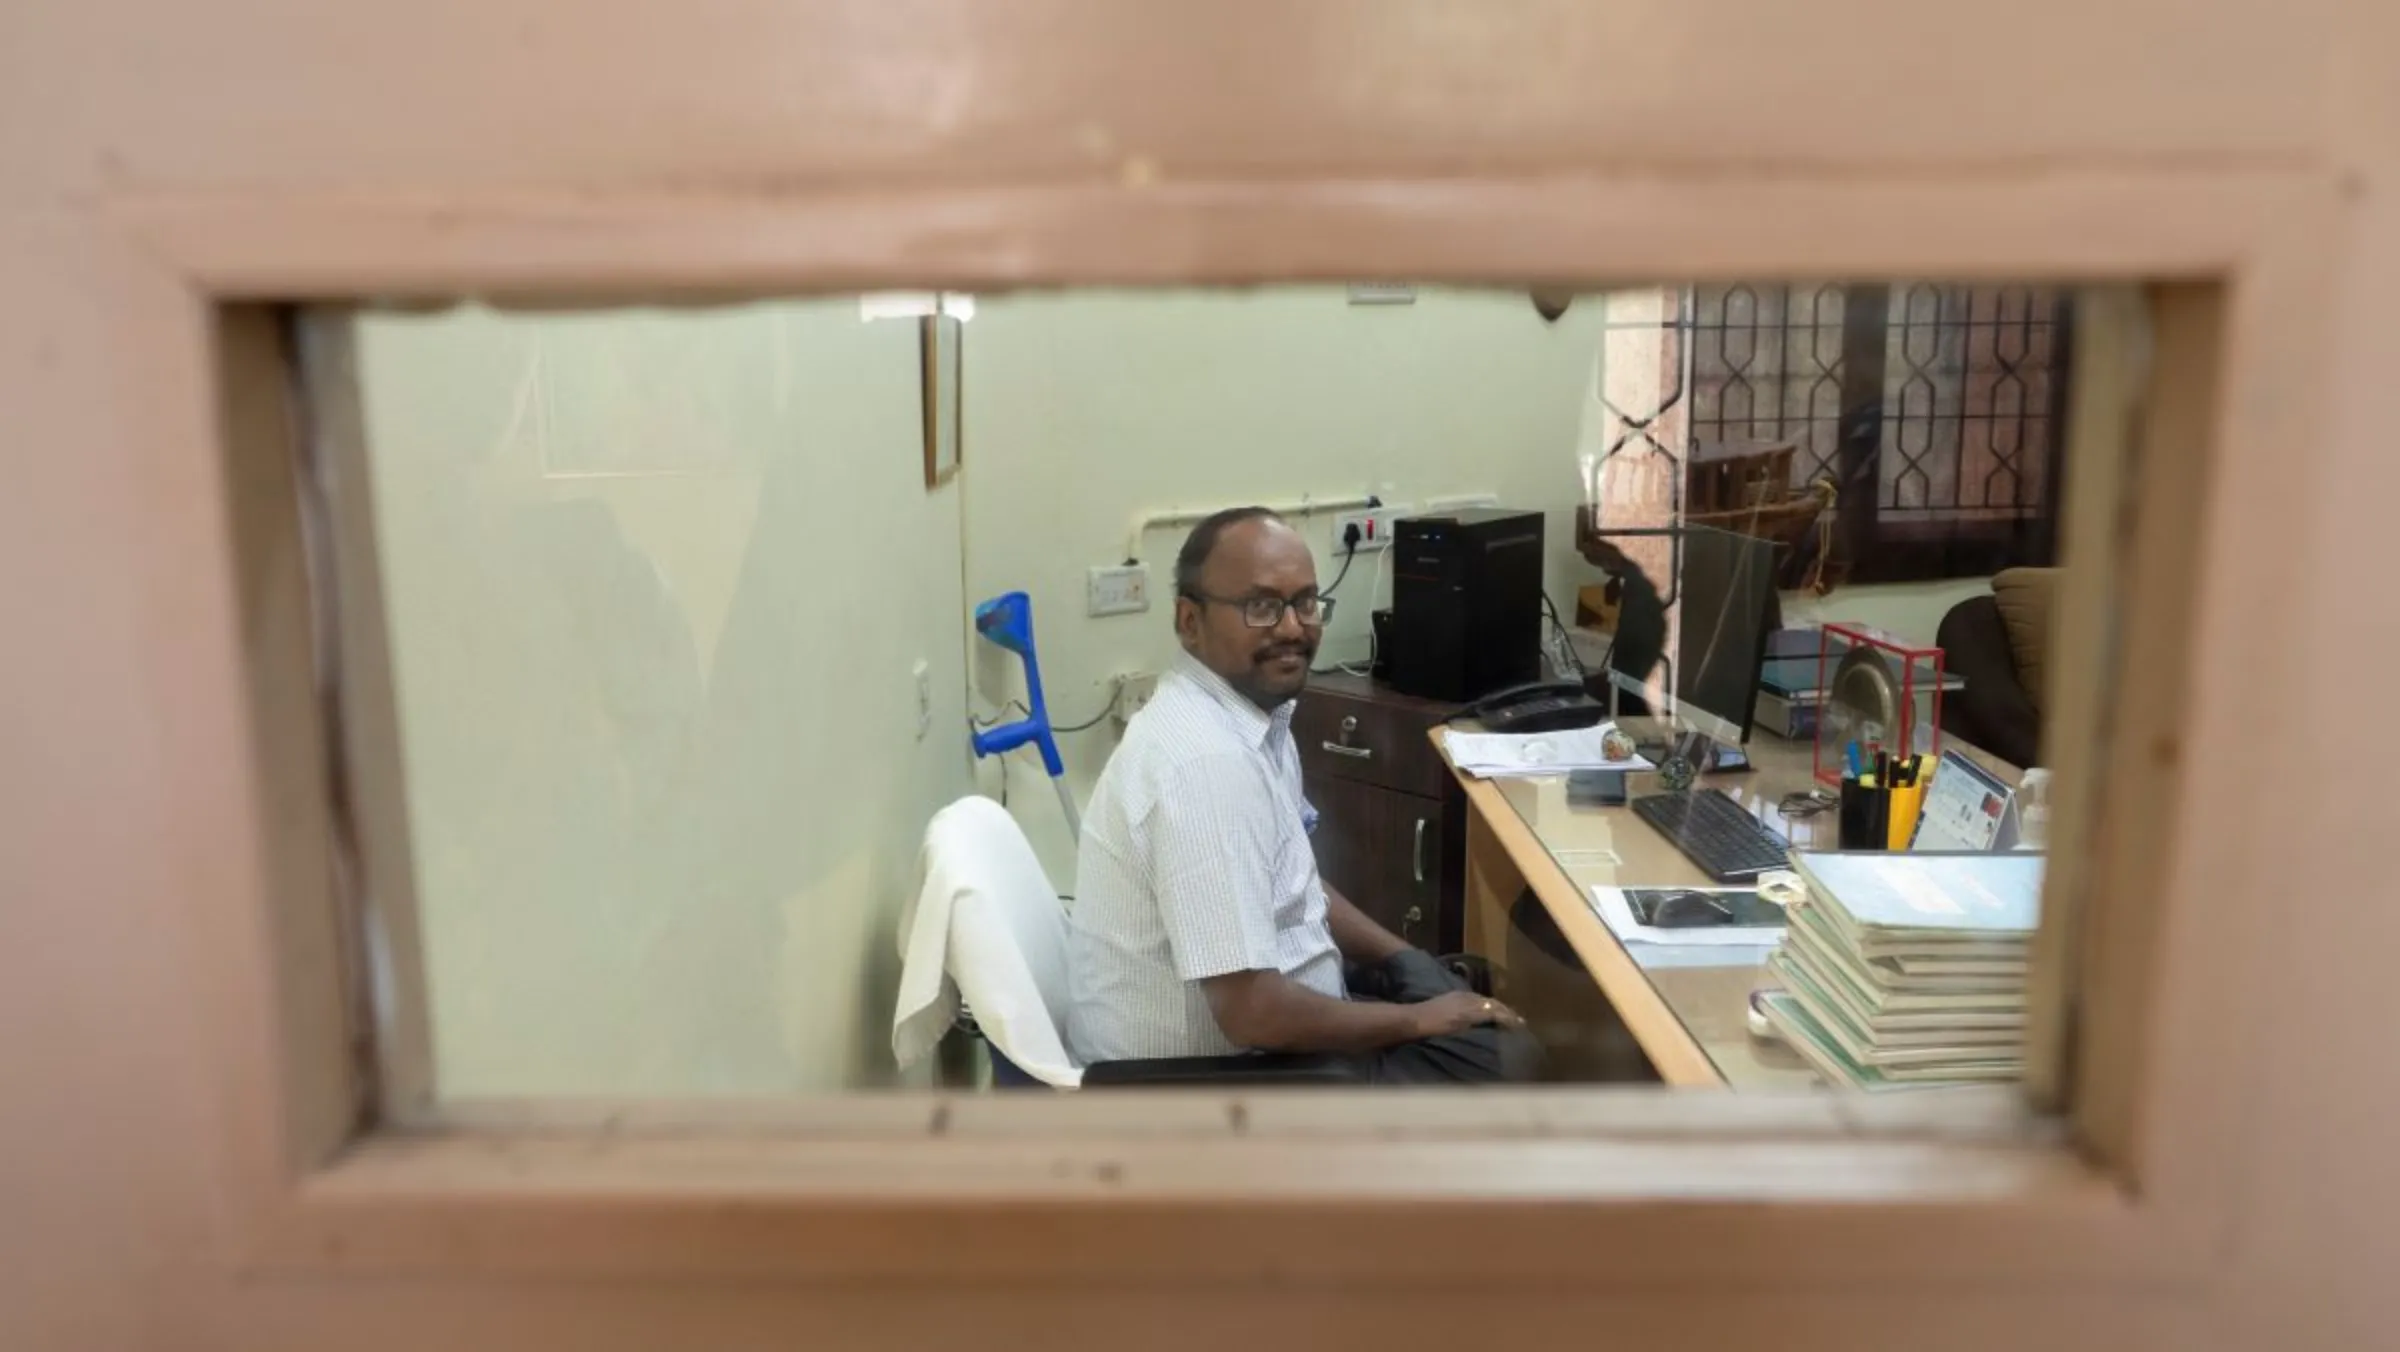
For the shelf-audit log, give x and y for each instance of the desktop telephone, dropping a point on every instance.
(1543, 706)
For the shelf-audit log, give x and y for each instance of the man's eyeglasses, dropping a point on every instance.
(1265, 612)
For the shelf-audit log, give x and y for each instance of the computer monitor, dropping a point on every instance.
(1725, 604)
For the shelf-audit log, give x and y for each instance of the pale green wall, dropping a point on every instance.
(660, 730)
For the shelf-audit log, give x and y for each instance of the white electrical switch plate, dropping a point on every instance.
(1374, 528)
(924, 675)
(1123, 590)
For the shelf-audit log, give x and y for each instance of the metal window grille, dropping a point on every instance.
(1938, 409)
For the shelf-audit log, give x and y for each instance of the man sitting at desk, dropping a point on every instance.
(1200, 926)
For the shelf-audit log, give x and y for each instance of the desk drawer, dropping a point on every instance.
(1368, 742)
(1391, 853)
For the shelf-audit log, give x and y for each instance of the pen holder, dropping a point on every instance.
(1865, 816)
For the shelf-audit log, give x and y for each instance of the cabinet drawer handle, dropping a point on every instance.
(1419, 858)
(1343, 747)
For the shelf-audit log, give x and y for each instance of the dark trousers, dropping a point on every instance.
(1486, 1055)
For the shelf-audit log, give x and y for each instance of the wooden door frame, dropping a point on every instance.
(1590, 1187)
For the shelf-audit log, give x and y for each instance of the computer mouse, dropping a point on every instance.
(1757, 1016)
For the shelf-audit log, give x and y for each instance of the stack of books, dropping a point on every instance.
(1908, 969)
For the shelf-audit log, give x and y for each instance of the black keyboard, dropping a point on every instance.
(1714, 832)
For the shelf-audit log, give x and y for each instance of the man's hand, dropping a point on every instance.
(1458, 1011)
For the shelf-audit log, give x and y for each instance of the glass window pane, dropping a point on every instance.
(700, 616)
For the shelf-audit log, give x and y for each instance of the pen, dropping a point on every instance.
(1855, 768)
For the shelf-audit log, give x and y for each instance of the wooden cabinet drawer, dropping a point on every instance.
(1389, 853)
(1371, 740)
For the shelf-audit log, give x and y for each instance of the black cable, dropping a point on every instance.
(1019, 706)
(1016, 704)
(1349, 553)
(1567, 636)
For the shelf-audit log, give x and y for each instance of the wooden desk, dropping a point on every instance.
(1690, 1022)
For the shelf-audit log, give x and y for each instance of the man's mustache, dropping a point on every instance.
(1301, 649)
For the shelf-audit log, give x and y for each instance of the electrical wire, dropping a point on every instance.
(1348, 553)
(1016, 704)
(1001, 760)
(1566, 639)
(1374, 590)
(983, 725)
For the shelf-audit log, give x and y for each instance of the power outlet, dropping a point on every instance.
(1122, 590)
(1134, 689)
(1374, 528)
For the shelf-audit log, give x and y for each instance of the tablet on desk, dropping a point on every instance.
(1966, 808)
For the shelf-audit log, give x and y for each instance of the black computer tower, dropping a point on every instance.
(1466, 602)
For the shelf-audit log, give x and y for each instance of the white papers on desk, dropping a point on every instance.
(1504, 755)
(1617, 914)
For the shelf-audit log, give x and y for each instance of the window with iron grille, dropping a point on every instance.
(1936, 410)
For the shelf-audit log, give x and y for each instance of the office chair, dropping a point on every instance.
(1997, 643)
(1006, 954)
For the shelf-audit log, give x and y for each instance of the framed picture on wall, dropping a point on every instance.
(939, 341)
